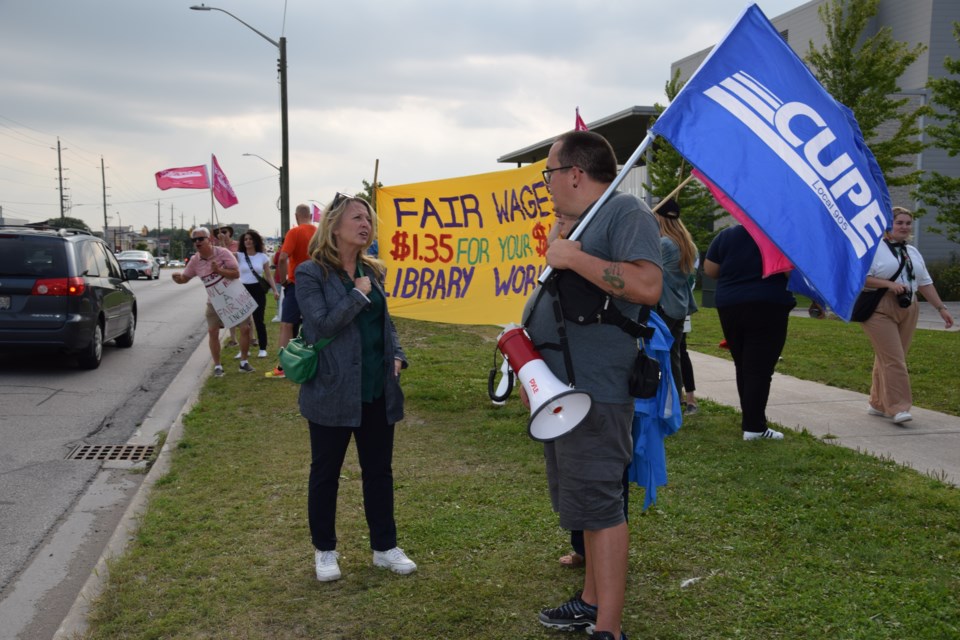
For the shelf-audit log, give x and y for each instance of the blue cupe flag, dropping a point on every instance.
(755, 121)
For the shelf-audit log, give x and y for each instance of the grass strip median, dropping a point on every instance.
(794, 539)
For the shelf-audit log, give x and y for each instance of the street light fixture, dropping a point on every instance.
(284, 167)
(253, 155)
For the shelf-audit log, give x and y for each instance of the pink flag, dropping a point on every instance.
(222, 190)
(315, 213)
(580, 125)
(773, 259)
(183, 178)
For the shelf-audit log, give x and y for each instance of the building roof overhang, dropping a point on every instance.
(625, 130)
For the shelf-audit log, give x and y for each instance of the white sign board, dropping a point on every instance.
(231, 300)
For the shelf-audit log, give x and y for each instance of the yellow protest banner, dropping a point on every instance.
(464, 250)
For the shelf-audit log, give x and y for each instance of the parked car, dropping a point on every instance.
(62, 290)
(143, 262)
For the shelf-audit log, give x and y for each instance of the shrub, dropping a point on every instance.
(946, 277)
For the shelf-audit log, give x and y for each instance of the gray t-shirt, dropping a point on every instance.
(623, 230)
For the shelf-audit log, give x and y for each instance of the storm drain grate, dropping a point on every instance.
(125, 452)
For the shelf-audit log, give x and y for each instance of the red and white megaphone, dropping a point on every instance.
(555, 408)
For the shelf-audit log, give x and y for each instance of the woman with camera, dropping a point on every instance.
(899, 268)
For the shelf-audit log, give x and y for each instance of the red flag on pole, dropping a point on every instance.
(183, 178)
(579, 125)
(773, 259)
(222, 190)
(316, 213)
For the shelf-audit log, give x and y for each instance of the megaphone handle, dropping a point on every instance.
(491, 384)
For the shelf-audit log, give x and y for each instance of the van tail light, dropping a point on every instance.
(58, 287)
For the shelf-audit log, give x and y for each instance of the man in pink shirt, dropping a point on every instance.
(212, 264)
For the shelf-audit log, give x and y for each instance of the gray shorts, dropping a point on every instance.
(585, 468)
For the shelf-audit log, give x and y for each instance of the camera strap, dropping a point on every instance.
(904, 257)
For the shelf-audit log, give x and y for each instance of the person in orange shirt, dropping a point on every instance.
(292, 253)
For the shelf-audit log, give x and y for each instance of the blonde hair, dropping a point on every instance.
(674, 229)
(323, 245)
(897, 211)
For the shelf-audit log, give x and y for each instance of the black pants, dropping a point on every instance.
(686, 366)
(676, 330)
(328, 446)
(261, 297)
(756, 333)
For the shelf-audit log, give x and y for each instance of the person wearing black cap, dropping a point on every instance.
(679, 255)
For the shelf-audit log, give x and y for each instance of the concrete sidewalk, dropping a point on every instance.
(930, 443)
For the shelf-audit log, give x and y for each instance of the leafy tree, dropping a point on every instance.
(668, 169)
(367, 193)
(67, 223)
(862, 73)
(936, 189)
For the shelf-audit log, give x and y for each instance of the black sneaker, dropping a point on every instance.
(572, 615)
(605, 635)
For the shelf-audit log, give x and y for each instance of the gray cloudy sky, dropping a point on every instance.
(432, 88)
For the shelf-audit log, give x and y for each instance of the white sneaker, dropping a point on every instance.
(876, 412)
(903, 416)
(395, 560)
(327, 567)
(262, 354)
(756, 435)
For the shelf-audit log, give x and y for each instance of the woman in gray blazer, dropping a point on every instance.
(356, 392)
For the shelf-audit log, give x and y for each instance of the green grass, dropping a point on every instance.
(795, 539)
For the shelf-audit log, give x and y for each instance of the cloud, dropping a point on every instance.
(432, 89)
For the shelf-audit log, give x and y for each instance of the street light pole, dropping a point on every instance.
(279, 169)
(285, 143)
(284, 167)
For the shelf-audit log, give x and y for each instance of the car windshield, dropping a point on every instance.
(134, 255)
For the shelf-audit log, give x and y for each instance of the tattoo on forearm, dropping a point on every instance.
(613, 276)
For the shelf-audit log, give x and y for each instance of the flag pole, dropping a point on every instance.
(632, 160)
(213, 207)
(673, 193)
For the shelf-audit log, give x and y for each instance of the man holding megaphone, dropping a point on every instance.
(611, 269)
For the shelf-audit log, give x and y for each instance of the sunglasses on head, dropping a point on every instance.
(338, 199)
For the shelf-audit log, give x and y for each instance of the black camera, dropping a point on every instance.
(905, 299)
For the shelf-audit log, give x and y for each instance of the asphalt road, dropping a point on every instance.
(57, 514)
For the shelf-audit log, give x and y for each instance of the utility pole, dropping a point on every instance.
(60, 176)
(158, 227)
(103, 177)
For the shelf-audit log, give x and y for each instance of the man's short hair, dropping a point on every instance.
(303, 211)
(203, 231)
(591, 152)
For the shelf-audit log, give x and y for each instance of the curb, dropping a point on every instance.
(194, 373)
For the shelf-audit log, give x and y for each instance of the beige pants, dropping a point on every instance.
(890, 330)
